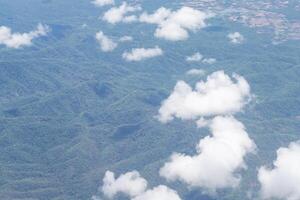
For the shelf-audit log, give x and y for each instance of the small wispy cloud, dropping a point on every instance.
(195, 57)
(139, 54)
(198, 57)
(105, 42)
(209, 60)
(195, 72)
(236, 38)
(101, 3)
(18, 40)
(126, 38)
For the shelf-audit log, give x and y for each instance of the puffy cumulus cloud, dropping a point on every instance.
(133, 185)
(18, 40)
(126, 38)
(283, 181)
(195, 57)
(142, 53)
(236, 38)
(119, 14)
(174, 25)
(218, 157)
(105, 43)
(103, 2)
(130, 183)
(218, 95)
(160, 192)
(195, 72)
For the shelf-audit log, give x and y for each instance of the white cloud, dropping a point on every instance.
(103, 2)
(106, 44)
(236, 38)
(160, 192)
(174, 25)
(18, 40)
(283, 181)
(142, 53)
(133, 185)
(219, 95)
(94, 197)
(130, 19)
(195, 57)
(159, 16)
(118, 14)
(202, 122)
(126, 38)
(195, 72)
(218, 158)
(172, 31)
(209, 60)
(130, 183)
